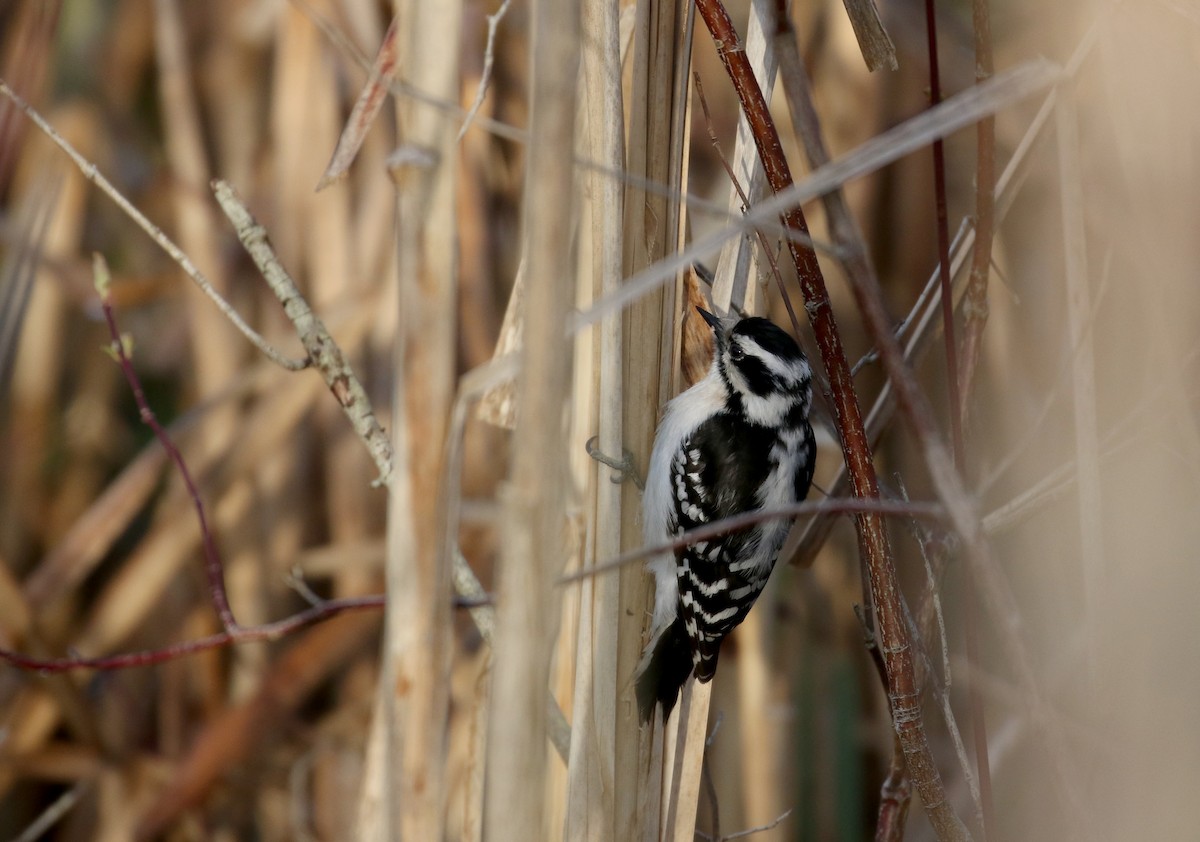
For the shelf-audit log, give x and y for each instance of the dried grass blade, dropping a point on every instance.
(366, 108)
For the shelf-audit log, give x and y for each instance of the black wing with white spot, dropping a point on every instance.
(718, 473)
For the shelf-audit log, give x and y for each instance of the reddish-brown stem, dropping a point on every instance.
(895, 796)
(976, 309)
(943, 241)
(213, 566)
(231, 632)
(975, 306)
(873, 542)
(240, 634)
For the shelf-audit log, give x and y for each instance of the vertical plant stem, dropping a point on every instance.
(943, 241)
(654, 144)
(895, 796)
(514, 808)
(873, 542)
(975, 307)
(591, 807)
(418, 632)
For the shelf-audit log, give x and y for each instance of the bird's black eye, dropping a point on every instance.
(736, 352)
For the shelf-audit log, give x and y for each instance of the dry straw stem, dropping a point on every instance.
(515, 789)
(418, 633)
(215, 359)
(471, 387)
(976, 317)
(943, 245)
(656, 139)
(975, 308)
(762, 752)
(366, 108)
(895, 645)
(591, 807)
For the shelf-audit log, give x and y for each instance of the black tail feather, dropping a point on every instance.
(663, 670)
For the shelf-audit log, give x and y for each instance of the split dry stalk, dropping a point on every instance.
(655, 104)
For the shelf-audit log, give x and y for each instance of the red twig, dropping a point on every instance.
(895, 796)
(213, 567)
(873, 542)
(240, 634)
(943, 240)
(232, 632)
(975, 307)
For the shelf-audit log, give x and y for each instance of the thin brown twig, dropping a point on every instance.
(975, 307)
(957, 386)
(120, 349)
(943, 242)
(242, 634)
(489, 59)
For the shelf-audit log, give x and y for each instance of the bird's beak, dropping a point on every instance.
(713, 321)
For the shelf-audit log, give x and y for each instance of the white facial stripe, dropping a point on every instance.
(789, 371)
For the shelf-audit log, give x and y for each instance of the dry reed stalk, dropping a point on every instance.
(591, 807)
(655, 102)
(418, 634)
(526, 615)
